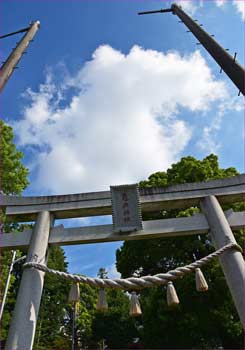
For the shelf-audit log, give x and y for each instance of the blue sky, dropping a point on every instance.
(107, 97)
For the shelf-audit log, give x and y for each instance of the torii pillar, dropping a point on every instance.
(23, 325)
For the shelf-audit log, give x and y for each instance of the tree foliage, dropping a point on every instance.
(13, 180)
(54, 304)
(86, 312)
(13, 174)
(202, 320)
(115, 326)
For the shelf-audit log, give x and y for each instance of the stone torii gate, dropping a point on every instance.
(44, 210)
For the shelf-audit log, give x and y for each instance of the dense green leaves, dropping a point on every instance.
(54, 303)
(54, 300)
(13, 180)
(115, 326)
(189, 169)
(86, 312)
(13, 174)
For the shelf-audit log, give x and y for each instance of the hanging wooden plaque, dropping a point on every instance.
(126, 211)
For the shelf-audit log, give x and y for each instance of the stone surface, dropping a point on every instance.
(99, 203)
(193, 225)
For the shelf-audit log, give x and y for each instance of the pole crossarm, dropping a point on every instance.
(156, 11)
(182, 196)
(13, 33)
(185, 226)
(133, 283)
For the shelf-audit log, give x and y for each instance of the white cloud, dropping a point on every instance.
(112, 271)
(121, 123)
(240, 6)
(191, 6)
(220, 3)
(188, 5)
(208, 142)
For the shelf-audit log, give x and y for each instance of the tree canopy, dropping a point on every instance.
(115, 327)
(13, 180)
(13, 174)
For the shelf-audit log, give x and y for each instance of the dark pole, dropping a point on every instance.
(8, 67)
(7, 283)
(227, 63)
(73, 326)
(158, 11)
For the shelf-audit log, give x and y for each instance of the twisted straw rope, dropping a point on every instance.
(135, 282)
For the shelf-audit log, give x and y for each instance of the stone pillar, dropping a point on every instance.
(232, 261)
(23, 325)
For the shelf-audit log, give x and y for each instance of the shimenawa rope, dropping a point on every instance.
(136, 283)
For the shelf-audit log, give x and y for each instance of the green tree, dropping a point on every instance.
(204, 320)
(86, 312)
(13, 180)
(115, 327)
(13, 174)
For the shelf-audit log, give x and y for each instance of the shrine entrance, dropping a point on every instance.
(126, 204)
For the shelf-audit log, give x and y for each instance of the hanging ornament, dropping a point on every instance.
(201, 283)
(135, 309)
(74, 293)
(102, 303)
(172, 298)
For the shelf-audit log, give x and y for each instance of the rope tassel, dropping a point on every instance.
(135, 309)
(201, 283)
(102, 303)
(74, 293)
(172, 297)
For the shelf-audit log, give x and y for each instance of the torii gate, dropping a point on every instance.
(44, 210)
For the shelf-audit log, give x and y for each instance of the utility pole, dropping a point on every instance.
(7, 283)
(11, 63)
(226, 62)
(13, 262)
